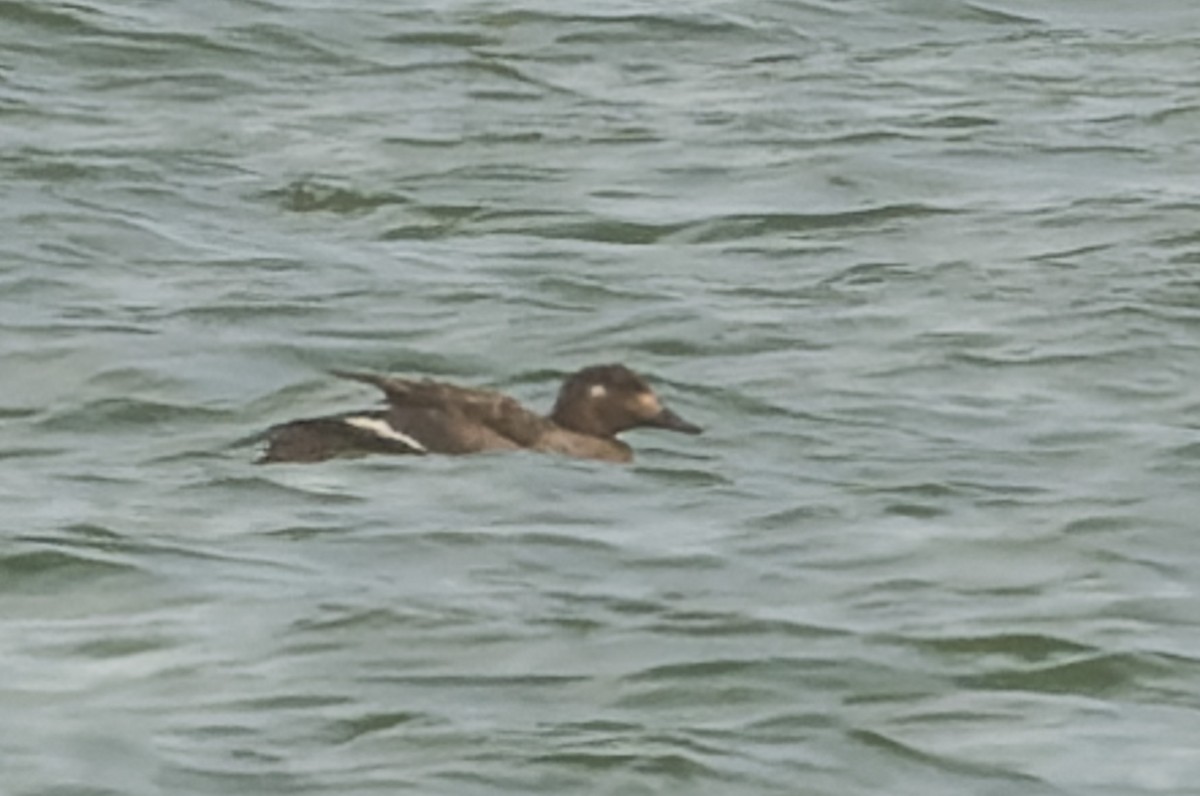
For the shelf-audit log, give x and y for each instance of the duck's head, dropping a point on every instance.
(604, 400)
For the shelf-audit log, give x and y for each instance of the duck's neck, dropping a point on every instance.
(577, 418)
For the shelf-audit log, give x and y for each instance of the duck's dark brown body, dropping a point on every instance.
(593, 407)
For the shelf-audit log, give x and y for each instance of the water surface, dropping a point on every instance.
(926, 272)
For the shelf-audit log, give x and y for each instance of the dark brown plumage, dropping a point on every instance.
(423, 416)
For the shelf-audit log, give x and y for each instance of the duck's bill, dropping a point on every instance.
(669, 420)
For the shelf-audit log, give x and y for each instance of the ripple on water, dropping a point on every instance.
(49, 571)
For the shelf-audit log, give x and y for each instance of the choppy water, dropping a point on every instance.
(927, 272)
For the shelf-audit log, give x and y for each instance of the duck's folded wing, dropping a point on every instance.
(319, 438)
(496, 411)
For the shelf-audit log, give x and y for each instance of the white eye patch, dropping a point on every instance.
(597, 391)
(383, 430)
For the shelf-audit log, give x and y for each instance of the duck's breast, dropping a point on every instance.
(584, 446)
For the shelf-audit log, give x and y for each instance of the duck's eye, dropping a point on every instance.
(597, 391)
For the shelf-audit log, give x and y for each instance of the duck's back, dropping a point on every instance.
(446, 418)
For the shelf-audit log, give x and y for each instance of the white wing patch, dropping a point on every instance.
(597, 391)
(384, 430)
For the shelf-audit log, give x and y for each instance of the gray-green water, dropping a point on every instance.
(926, 271)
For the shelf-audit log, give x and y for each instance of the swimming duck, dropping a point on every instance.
(423, 416)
